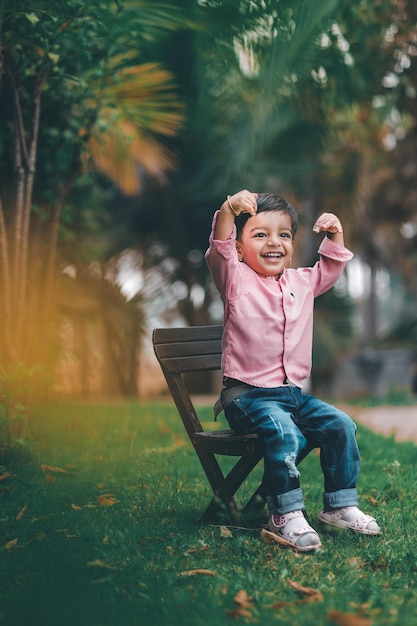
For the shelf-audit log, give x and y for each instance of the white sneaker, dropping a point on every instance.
(352, 518)
(293, 531)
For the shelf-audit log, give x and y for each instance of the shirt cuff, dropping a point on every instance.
(223, 246)
(333, 251)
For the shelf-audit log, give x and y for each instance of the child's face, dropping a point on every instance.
(266, 242)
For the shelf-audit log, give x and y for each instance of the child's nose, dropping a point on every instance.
(274, 240)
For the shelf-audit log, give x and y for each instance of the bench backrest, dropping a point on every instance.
(183, 350)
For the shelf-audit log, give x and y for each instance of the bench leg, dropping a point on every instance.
(224, 501)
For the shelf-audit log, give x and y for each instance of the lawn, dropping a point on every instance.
(99, 526)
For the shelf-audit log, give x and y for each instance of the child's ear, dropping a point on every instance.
(239, 251)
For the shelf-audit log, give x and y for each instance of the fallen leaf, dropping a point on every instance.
(53, 468)
(243, 600)
(225, 532)
(348, 619)
(195, 572)
(194, 550)
(99, 581)
(236, 613)
(269, 537)
(312, 595)
(244, 604)
(6, 476)
(280, 605)
(308, 591)
(10, 544)
(106, 499)
(50, 479)
(99, 563)
(21, 513)
(76, 507)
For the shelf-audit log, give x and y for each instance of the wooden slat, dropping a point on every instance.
(189, 333)
(192, 363)
(227, 442)
(188, 348)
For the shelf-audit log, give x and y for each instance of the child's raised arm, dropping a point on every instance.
(330, 224)
(242, 202)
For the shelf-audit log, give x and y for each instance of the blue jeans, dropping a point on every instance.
(291, 425)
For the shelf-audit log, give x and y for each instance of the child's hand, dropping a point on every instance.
(328, 223)
(243, 202)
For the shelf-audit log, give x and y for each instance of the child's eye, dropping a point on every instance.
(260, 235)
(286, 235)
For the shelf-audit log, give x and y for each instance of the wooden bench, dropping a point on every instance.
(195, 349)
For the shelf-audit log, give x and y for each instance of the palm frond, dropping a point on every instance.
(126, 155)
(139, 108)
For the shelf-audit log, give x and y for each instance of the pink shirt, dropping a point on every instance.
(268, 324)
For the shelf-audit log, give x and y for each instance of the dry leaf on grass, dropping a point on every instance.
(7, 475)
(244, 605)
(194, 550)
(269, 537)
(313, 594)
(243, 600)
(53, 468)
(106, 499)
(348, 619)
(21, 512)
(225, 532)
(10, 544)
(99, 563)
(310, 595)
(196, 572)
(99, 581)
(236, 613)
(50, 479)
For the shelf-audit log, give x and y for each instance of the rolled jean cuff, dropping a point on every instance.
(286, 502)
(339, 499)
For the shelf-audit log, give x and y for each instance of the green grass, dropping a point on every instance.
(70, 560)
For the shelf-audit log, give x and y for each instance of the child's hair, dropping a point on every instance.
(269, 202)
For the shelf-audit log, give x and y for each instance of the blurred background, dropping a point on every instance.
(124, 125)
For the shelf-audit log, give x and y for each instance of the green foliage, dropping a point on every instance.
(17, 389)
(84, 97)
(85, 58)
(333, 334)
(112, 494)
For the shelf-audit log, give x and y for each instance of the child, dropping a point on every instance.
(268, 314)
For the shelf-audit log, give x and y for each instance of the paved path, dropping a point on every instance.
(389, 420)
